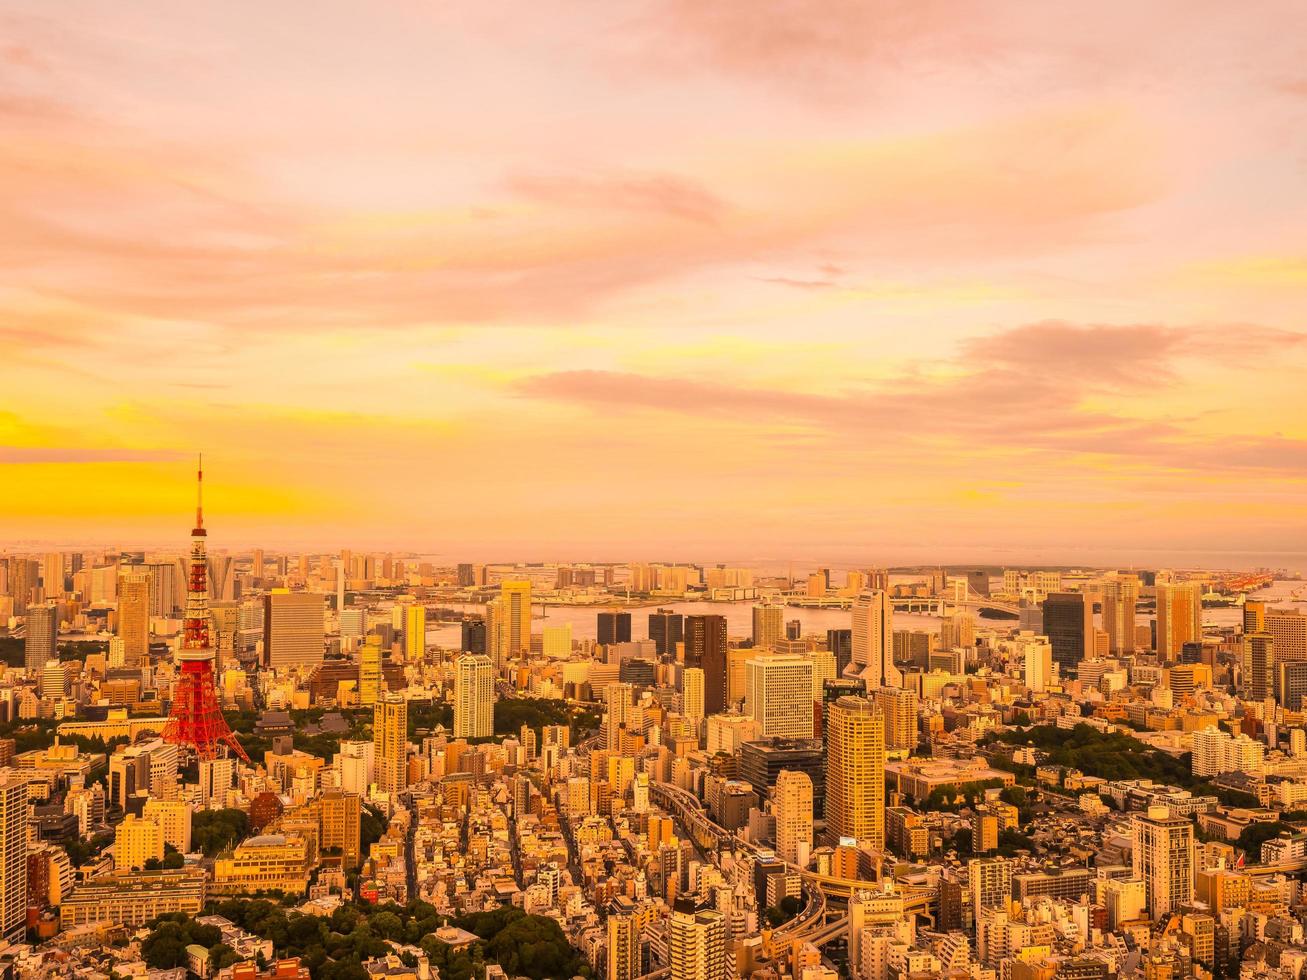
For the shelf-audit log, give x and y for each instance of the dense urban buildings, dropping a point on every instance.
(720, 773)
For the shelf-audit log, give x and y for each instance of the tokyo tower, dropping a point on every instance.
(196, 719)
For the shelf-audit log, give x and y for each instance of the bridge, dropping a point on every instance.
(810, 924)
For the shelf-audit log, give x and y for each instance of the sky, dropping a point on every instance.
(863, 280)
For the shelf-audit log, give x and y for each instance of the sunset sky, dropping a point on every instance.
(847, 279)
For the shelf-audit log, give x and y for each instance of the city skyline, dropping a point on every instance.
(900, 281)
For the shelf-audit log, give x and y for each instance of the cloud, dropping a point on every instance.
(1019, 392)
(57, 454)
(665, 194)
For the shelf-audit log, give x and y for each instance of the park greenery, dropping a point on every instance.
(165, 947)
(335, 947)
(213, 831)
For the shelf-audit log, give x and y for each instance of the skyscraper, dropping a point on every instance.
(792, 806)
(899, 708)
(614, 627)
(873, 640)
(1259, 658)
(1179, 617)
(513, 620)
(1254, 616)
(13, 855)
(666, 629)
(293, 629)
(134, 615)
(692, 694)
(855, 772)
(779, 695)
(1120, 596)
(1069, 626)
(390, 743)
(1163, 855)
(705, 647)
(42, 642)
(840, 643)
(474, 697)
(415, 632)
(768, 625)
(370, 674)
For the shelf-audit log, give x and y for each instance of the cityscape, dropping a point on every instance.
(260, 764)
(653, 490)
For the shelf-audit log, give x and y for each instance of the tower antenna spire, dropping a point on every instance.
(199, 492)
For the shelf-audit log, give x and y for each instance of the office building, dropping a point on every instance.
(873, 640)
(415, 632)
(768, 625)
(855, 772)
(473, 638)
(370, 675)
(512, 621)
(1259, 660)
(474, 697)
(779, 695)
(614, 627)
(792, 807)
(293, 629)
(134, 899)
(136, 841)
(840, 643)
(705, 647)
(666, 629)
(1291, 689)
(42, 642)
(1179, 617)
(1069, 626)
(1162, 852)
(1120, 596)
(390, 743)
(692, 694)
(1288, 628)
(134, 616)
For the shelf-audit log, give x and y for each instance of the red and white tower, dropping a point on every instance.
(196, 719)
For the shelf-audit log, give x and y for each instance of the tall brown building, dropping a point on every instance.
(705, 648)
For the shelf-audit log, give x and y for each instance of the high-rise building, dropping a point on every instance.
(513, 620)
(991, 884)
(899, 708)
(768, 625)
(24, 574)
(473, 639)
(42, 642)
(792, 806)
(134, 615)
(1069, 626)
(1291, 689)
(1259, 659)
(840, 643)
(855, 772)
(294, 629)
(696, 943)
(614, 627)
(1037, 659)
(620, 701)
(1288, 627)
(1179, 617)
(52, 576)
(705, 647)
(1254, 616)
(779, 695)
(873, 640)
(415, 632)
(692, 694)
(474, 697)
(14, 809)
(623, 941)
(1163, 855)
(666, 629)
(1120, 596)
(370, 674)
(390, 743)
